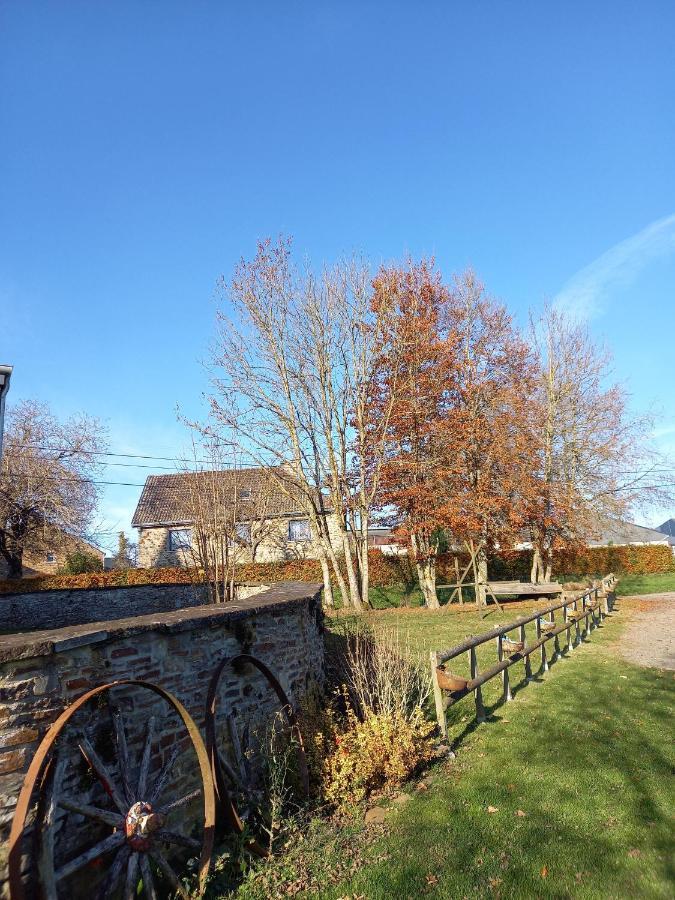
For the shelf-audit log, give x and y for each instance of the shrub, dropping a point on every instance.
(80, 562)
(373, 734)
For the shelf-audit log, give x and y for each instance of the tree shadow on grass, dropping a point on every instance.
(592, 785)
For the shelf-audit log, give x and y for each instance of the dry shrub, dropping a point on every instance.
(373, 733)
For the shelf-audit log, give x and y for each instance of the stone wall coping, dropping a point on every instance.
(16, 595)
(25, 645)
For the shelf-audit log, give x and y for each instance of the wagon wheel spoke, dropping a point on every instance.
(109, 883)
(131, 880)
(169, 873)
(46, 857)
(122, 754)
(98, 766)
(176, 804)
(148, 881)
(163, 776)
(104, 846)
(145, 760)
(182, 840)
(93, 812)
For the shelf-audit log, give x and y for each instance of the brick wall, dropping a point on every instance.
(41, 673)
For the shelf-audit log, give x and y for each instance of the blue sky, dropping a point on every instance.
(144, 147)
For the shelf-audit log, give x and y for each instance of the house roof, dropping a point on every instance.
(173, 499)
(621, 533)
(668, 528)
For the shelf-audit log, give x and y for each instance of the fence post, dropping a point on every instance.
(438, 696)
(556, 642)
(570, 646)
(584, 609)
(544, 659)
(478, 694)
(528, 664)
(459, 583)
(505, 674)
(577, 627)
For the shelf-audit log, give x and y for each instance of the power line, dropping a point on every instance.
(75, 480)
(176, 459)
(651, 471)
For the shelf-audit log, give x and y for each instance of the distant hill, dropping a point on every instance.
(668, 528)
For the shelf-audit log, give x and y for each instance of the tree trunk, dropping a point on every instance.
(354, 593)
(425, 563)
(481, 577)
(535, 573)
(14, 560)
(327, 586)
(365, 570)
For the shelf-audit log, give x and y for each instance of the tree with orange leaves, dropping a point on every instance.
(417, 354)
(492, 423)
(460, 457)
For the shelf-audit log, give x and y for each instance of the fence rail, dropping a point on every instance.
(590, 607)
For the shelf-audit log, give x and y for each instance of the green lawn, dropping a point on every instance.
(645, 584)
(578, 771)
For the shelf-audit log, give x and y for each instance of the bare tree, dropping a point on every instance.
(47, 479)
(213, 507)
(293, 360)
(596, 461)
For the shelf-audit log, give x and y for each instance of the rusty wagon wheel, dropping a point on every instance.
(232, 781)
(131, 836)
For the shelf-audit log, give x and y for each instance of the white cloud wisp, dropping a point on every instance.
(585, 294)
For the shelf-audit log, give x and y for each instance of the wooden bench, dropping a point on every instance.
(525, 589)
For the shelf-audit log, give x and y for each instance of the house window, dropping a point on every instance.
(50, 557)
(243, 532)
(180, 539)
(298, 530)
(243, 494)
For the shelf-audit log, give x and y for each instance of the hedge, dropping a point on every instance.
(385, 571)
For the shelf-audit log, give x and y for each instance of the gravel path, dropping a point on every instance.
(649, 639)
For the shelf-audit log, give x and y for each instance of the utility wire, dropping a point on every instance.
(651, 471)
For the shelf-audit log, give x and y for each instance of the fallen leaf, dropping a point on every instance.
(544, 872)
(578, 876)
(634, 853)
(432, 879)
(520, 813)
(492, 809)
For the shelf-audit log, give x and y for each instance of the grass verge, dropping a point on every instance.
(630, 585)
(567, 791)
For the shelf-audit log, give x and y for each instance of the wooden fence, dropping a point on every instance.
(589, 607)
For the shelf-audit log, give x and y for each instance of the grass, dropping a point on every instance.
(645, 584)
(578, 771)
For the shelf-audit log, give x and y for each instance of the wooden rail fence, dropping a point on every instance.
(590, 607)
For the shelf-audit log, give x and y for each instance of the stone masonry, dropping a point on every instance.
(41, 673)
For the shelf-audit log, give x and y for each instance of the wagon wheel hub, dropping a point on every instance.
(140, 823)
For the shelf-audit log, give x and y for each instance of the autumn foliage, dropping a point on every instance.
(386, 571)
(460, 460)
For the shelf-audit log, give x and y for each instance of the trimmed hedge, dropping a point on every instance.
(385, 571)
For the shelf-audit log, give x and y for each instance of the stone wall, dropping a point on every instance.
(43, 672)
(153, 546)
(61, 608)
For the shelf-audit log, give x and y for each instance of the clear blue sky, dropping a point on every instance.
(144, 147)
